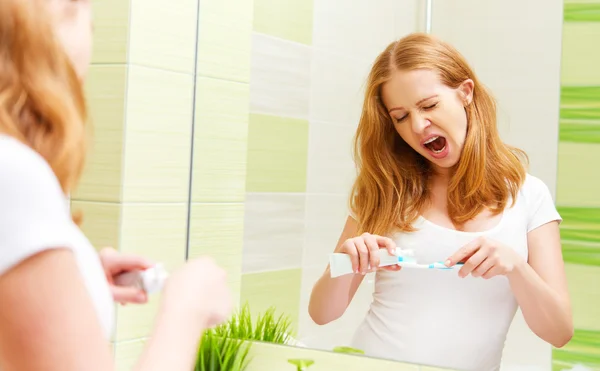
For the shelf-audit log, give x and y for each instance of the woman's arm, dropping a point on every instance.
(48, 322)
(331, 297)
(540, 287)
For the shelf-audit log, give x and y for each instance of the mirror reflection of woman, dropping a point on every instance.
(56, 293)
(435, 177)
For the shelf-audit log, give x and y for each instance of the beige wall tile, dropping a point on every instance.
(220, 141)
(163, 34)
(105, 88)
(158, 136)
(224, 36)
(101, 222)
(159, 232)
(111, 30)
(217, 230)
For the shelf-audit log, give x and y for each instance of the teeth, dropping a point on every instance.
(434, 151)
(431, 140)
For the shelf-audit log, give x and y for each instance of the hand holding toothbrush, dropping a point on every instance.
(363, 252)
(485, 258)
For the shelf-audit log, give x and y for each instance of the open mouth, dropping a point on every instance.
(436, 144)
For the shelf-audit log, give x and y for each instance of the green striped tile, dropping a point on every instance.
(580, 114)
(290, 20)
(583, 349)
(582, 12)
(280, 289)
(277, 154)
(580, 234)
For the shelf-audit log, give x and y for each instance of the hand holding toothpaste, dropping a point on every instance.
(363, 252)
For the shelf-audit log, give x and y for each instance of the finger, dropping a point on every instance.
(352, 251)
(128, 262)
(363, 255)
(482, 269)
(129, 295)
(373, 248)
(492, 272)
(393, 268)
(473, 262)
(464, 252)
(388, 243)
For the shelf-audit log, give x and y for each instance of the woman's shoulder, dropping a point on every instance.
(25, 173)
(533, 187)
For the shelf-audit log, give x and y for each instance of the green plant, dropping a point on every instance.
(267, 327)
(301, 364)
(347, 350)
(217, 353)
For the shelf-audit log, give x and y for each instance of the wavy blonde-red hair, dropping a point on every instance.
(391, 188)
(42, 102)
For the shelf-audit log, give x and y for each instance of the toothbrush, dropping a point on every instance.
(341, 264)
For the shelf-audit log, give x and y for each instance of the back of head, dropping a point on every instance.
(391, 189)
(41, 97)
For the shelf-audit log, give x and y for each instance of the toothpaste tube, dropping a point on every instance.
(341, 264)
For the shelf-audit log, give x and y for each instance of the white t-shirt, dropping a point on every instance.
(34, 216)
(433, 317)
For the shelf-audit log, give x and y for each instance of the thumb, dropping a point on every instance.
(129, 294)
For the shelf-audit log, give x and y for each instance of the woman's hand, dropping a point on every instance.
(363, 252)
(115, 263)
(485, 258)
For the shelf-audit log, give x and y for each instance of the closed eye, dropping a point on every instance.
(430, 106)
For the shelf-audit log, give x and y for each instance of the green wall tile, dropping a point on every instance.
(582, 12)
(280, 289)
(277, 154)
(290, 19)
(583, 349)
(585, 296)
(576, 184)
(580, 57)
(580, 233)
(580, 114)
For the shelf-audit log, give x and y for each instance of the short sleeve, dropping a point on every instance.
(541, 207)
(34, 213)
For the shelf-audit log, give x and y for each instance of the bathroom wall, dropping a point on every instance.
(578, 179)
(515, 48)
(309, 61)
(149, 96)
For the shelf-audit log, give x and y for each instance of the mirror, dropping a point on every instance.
(309, 63)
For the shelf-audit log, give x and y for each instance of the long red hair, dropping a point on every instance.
(42, 102)
(391, 189)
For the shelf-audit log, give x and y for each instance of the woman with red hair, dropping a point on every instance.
(435, 177)
(57, 308)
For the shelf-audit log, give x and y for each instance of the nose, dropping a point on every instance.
(420, 123)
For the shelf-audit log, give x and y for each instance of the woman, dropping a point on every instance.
(57, 310)
(435, 177)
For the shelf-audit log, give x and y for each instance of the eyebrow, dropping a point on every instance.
(419, 102)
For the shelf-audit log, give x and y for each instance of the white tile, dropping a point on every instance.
(331, 168)
(279, 77)
(362, 27)
(337, 87)
(496, 40)
(273, 231)
(325, 219)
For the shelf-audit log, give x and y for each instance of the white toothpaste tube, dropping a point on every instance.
(341, 264)
(150, 280)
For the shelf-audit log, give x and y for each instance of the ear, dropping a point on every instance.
(465, 91)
